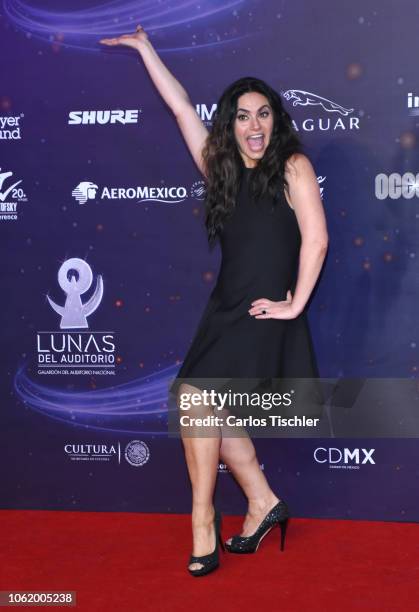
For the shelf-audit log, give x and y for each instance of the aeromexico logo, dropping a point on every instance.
(174, 194)
(71, 352)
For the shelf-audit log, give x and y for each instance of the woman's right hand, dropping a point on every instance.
(129, 40)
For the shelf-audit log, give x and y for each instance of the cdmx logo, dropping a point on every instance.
(344, 458)
(75, 277)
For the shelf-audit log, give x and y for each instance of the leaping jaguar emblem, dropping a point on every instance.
(305, 98)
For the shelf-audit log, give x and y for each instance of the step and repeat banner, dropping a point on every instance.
(106, 268)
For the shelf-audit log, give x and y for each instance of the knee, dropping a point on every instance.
(191, 400)
(185, 394)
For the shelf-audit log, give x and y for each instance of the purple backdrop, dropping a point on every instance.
(117, 188)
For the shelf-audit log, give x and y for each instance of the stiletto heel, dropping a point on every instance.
(279, 515)
(209, 562)
(283, 526)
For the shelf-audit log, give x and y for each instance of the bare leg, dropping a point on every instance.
(202, 457)
(240, 456)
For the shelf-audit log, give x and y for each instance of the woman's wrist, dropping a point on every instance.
(297, 310)
(143, 45)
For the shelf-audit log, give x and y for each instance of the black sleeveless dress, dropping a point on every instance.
(260, 246)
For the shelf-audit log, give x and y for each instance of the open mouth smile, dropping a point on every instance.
(256, 142)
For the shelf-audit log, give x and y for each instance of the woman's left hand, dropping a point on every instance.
(266, 309)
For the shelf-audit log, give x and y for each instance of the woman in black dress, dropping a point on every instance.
(263, 203)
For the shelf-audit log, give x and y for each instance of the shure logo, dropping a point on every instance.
(102, 117)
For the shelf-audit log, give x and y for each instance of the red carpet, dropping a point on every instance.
(128, 562)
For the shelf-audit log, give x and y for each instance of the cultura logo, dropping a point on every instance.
(299, 97)
(103, 117)
(91, 451)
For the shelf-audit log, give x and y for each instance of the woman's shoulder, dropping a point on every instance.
(298, 163)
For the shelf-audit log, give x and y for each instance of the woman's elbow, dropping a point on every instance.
(324, 243)
(182, 107)
(318, 243)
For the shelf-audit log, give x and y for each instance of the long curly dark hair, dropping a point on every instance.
(223, 162)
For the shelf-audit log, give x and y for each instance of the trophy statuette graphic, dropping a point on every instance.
(74, 313)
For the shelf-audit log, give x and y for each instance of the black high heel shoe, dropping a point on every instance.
(209, 562)
(279, 515)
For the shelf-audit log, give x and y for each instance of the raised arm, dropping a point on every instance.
(172, 92)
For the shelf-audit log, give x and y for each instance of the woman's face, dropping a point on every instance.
(253, 127)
